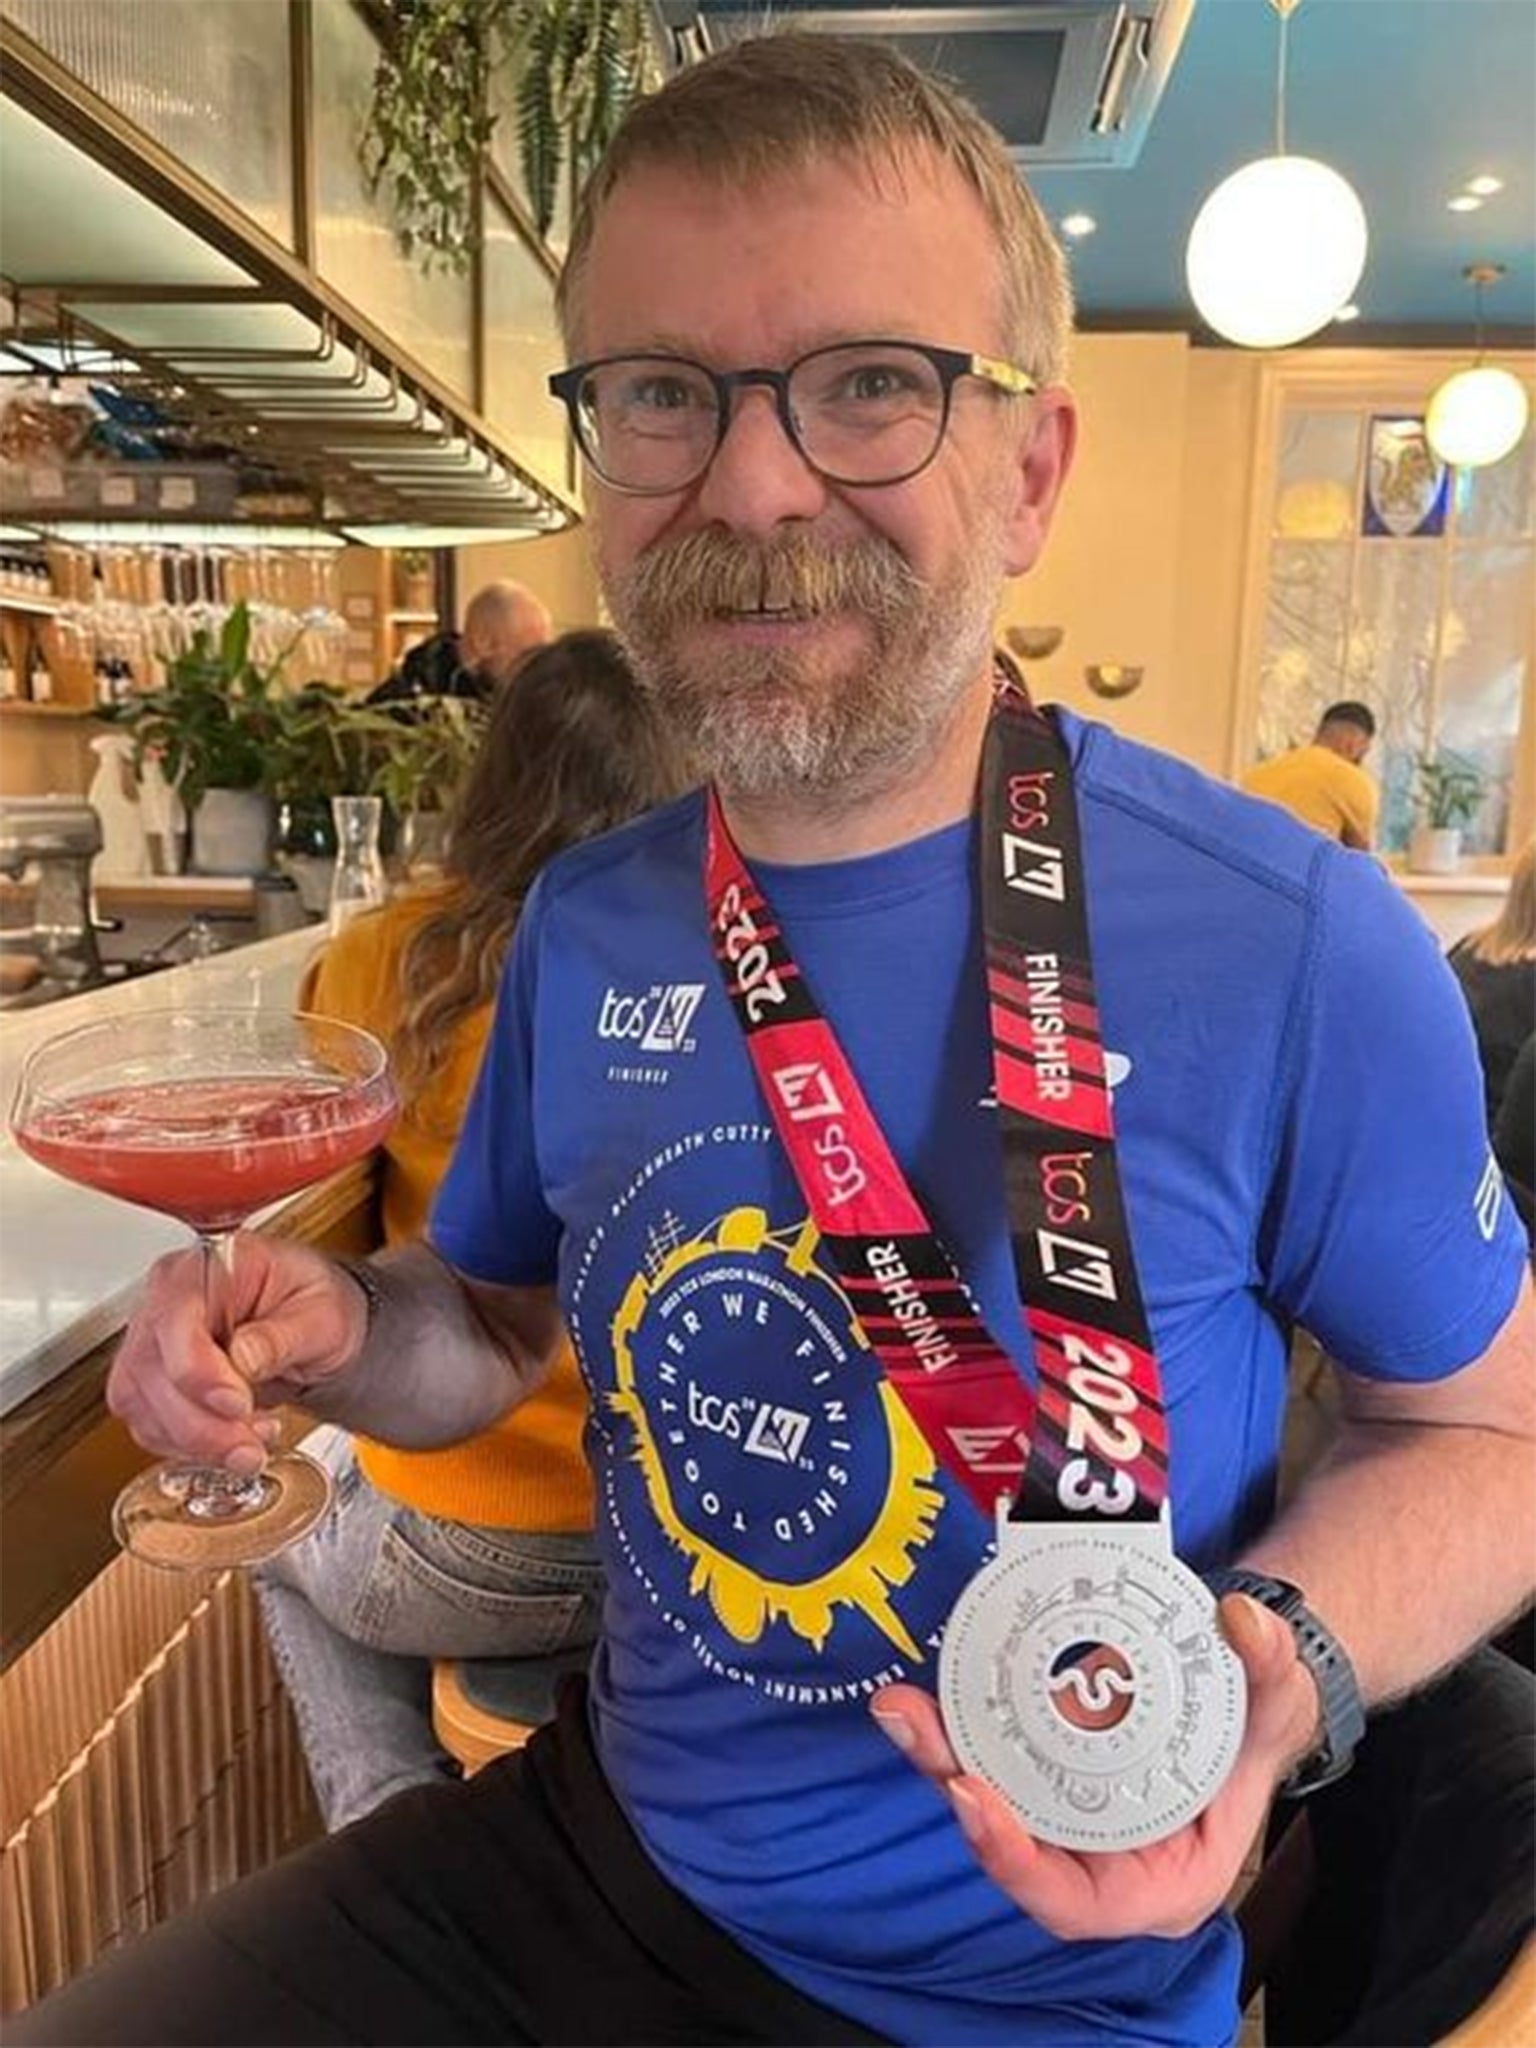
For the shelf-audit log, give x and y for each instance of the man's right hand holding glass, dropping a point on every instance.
(303, 1334)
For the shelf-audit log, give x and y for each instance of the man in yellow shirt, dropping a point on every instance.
(1323, 783)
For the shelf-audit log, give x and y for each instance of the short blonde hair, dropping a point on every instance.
(1511, 938)
(777, 103)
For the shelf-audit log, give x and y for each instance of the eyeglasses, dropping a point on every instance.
(860, 413)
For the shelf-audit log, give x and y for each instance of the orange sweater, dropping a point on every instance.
(528, 1471)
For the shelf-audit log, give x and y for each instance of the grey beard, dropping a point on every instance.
(757, 725)
(759, 737)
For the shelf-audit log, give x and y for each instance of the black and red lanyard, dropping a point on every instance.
(1094, 1441)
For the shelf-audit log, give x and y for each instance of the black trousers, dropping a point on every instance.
(516, 1908)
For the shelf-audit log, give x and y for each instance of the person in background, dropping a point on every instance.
(1514, 1134)
(484, 1549)
(1496, 967)
(1323, 782)
(847, 428)
(503, 621)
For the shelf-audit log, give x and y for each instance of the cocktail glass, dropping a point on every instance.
(208, 1116)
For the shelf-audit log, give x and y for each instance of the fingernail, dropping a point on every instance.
(898, 1729)
(247, 1460)
(248, 1353)
(231, 1402)
(269, 1428)
(968, 1811)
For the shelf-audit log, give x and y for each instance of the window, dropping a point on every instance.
(1387, 578)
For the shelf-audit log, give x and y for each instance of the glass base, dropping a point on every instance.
(198, 1518)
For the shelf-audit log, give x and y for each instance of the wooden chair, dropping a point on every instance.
(1396, 1908)
(484, 1706)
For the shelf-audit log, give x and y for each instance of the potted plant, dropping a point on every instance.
(1450, 792)
(320, 750)
(211, 727)
(421, 753)
(577, 63)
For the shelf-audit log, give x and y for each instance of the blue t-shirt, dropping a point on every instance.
(1301, 1139)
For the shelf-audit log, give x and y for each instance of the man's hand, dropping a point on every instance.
(298, 1321)
(1172, 1887)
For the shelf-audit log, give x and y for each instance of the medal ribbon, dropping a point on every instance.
(1094, 1441)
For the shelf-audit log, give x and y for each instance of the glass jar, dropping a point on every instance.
(358, 883)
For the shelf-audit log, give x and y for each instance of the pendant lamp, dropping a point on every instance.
(1477, 415)
(1279, 246)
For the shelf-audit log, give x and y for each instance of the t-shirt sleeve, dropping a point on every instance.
(1390, 1234)
(490, 1218)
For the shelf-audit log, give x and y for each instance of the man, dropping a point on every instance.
(503, 621)
(817, 332)
(1323, 783)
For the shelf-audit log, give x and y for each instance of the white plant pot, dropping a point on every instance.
(1435, 850)
(232, 832)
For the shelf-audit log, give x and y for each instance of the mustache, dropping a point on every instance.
(712, 571)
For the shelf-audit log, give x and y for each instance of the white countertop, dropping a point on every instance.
(71, 1262)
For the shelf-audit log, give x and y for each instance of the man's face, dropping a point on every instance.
(808, 635)
(494, 647)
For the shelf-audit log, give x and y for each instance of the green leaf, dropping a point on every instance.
(235, 640)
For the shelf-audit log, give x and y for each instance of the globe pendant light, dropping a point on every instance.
(1477, 415)
(1279, 246)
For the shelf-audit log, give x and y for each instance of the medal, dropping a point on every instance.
(1083, 1671)
(1084, 1675)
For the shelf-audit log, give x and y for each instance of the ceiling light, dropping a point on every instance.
(1349, 312)
(1477, 415)
(419, 536)
(1485, 186)
(1464, 202)
(204, 533)
(1078, 224)
(1280, 245)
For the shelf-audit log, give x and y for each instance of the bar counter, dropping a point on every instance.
(71, 1266)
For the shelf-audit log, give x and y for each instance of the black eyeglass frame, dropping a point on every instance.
(951, 365)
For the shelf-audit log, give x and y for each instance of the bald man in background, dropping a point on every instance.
(503, 621)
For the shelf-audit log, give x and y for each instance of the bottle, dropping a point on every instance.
(124, 849)
(358, 882)
(8, 689)
(39, 674)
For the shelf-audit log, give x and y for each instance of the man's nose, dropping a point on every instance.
(759, 479)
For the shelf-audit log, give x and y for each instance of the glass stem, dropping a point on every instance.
(213, 1494)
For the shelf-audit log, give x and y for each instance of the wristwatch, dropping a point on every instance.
(1343, 1710)
(368, 1286)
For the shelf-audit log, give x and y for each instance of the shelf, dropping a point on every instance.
(23, 707)
(411, 618)
(38, 607)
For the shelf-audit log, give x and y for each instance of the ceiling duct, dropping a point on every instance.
(1067, 83)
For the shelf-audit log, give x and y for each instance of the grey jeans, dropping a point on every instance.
(357, 1611)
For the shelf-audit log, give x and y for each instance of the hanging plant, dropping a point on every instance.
(579, 64)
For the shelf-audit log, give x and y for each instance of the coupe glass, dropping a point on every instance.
(207, 1116)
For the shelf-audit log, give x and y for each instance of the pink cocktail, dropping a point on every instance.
(210, 1153)
(208, 1116)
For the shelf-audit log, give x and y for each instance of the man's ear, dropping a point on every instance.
(1044, 457)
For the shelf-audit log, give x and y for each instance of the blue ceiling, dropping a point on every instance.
(1408, 98)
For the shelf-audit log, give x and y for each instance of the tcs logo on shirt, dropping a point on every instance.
(656, 1021)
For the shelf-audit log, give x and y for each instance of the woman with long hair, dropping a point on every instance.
(483, 1549)
(1496, 967)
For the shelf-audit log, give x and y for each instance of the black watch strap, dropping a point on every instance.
(1343, 1711)
(367, 1281)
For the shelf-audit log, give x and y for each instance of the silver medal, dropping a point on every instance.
(1084, 1674)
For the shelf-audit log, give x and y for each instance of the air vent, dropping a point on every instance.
(1066, 82)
